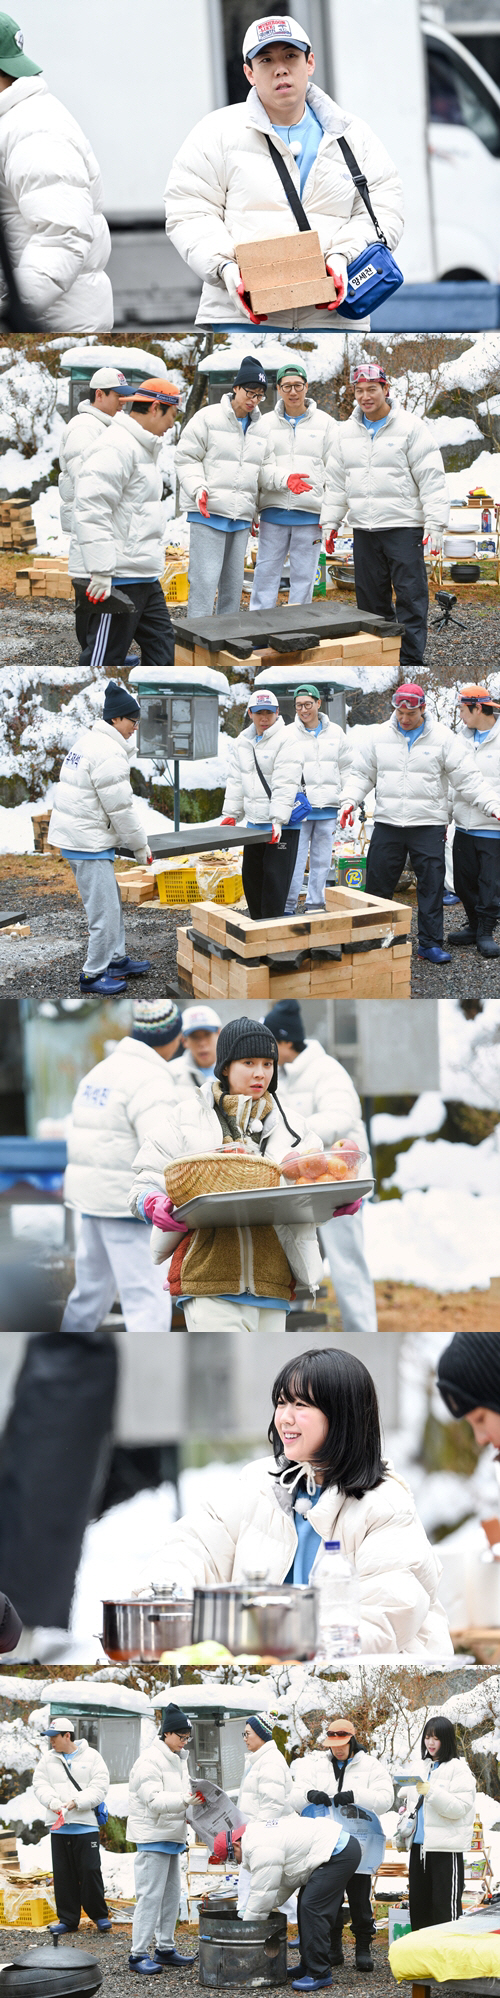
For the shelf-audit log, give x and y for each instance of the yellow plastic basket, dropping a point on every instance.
(25, 1909)
(178, 884)
(176, 588)
(230, 889)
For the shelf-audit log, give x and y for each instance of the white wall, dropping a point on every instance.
(379, 74)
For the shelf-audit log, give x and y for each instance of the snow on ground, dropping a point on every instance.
(455, 430)
(469, 1054)
(427, 1115)
(464, 1168)
(444, 1239)
(16, 829)
(485, 471)
(473, 369)
(50, 539)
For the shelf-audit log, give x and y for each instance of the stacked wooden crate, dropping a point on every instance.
(17, 526)
(365, 648)
(359, 948)
(139, 885)
(46, 577)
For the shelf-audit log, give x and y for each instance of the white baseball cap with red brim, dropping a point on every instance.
(274, 28)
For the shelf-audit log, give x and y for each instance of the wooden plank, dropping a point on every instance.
(290, 985)
(248, 981)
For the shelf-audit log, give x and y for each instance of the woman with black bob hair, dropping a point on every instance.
(445, 1821)
(326, 1480)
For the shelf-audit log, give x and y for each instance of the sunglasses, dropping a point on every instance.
(486, 707)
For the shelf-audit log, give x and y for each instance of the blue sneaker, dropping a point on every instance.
(449, 899)
(103, 985)
(172, 1956)
(145, 1965)
(435, 954)
(311, 1983)
(103, 1924)
(129, 967)
(60, 1929)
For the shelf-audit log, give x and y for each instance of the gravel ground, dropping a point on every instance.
(48, 963)
(112, 1953)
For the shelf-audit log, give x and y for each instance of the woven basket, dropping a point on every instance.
(218, 1172)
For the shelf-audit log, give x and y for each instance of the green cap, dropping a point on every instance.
(12, 60)
(291, 368)
(309, 690)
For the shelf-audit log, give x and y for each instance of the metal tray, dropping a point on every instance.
(272, 1205)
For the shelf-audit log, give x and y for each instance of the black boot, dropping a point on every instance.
(337, 1955)
(486, 944)
(364, 1959)
(462, 936)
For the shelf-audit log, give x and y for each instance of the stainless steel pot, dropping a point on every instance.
(264, 1619)
(145, 1629)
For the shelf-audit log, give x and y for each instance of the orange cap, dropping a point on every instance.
(157, 389)
(480, 693)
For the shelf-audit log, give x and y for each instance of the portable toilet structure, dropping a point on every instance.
(179, 715)
(218, 1715)
(108, 1716)
(80, 363)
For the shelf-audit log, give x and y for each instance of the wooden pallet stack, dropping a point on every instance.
(365, 648)
(46, 577)
(17, 526)
(359, 948)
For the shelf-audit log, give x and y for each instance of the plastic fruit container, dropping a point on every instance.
(337, 1162)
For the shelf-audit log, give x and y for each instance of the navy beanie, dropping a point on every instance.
(174, 1720)
(250, 374)
(118, 703)
(260, 1726)
(468, 1374)
(285, 1021)
(239, 1040)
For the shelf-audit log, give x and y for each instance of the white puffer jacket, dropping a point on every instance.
(326, 760)
(119, 515)
(216, 455)
(159, 1787)
(94, 801)
(412, 786)
(267, 1788)
(226, 1538)
(85, 430)
(394, 477)
(183, 1073)
(223, 189)
(280, 1858)
(121, 1102)
(449, 1807)
(366, 1775)
(317, 1087)
(279, 756)
(487, 755)
(193, 1126)
(53, 1787)
(304, 446)
(51, 198)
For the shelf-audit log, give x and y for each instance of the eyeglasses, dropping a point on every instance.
(486, 707)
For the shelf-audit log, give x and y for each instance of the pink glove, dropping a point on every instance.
(330, 541)
(256, 317)
(296, 484)
(340, 291)
(346, 817)
(352, 1209)
(159, 1209)
(202, 505)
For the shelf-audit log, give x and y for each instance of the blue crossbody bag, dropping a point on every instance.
(300, 809)
(374, 275)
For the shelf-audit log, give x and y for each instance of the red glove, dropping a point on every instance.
(256, 317)
(296, 484)
(352, 1209)
(202, 505)
(200, 1796)
(228, 822)
(330, 541)
(340, 291)
(346, 817)
(276, 834)
(159, 1209)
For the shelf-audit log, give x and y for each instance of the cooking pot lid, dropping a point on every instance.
(147, 1602)
(56, 1956)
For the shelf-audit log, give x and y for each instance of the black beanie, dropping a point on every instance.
(285, 1021)
(241, 1039)
(250, 374)
(468, 1374)
(175, 1721)
(118, 703)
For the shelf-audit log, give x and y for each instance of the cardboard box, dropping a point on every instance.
(284, 271)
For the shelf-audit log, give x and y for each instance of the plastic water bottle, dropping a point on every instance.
(337, 1583)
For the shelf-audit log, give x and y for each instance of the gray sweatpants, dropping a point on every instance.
(216, 563)
(158, 1893)
(97, 884)
(304, 544)
(343, 1243)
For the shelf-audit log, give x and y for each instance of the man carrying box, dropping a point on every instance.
(224, 187)
(294, 473)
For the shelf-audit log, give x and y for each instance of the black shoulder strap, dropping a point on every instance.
(359, 178)
(260, 773)
(290, 190)
(76, 1786)
(361, 183)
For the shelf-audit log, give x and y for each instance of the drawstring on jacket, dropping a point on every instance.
(287, 1482)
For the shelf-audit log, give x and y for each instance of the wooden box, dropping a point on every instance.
(285, 271)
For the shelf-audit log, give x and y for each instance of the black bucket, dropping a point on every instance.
(51, 1971)
(234, 1952)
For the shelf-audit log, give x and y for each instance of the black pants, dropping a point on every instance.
(318, 1906)
(105, 640)
(358, 1895)
(436, 1887)
(267, 873)
(78, 1882)
(476, 875)
(393, 559)
(55, 1445)
(389, 846)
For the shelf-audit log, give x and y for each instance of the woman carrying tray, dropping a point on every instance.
(230, 1279)
(326, 1480)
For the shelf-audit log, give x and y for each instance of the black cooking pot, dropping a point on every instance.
(465, 572)
(51, 1971)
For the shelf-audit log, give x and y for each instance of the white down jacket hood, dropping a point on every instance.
(267, 1788)
(325, 761)
(366, 1775)
(279, 756)
(231, 1534)
(119, 515)
(159, 1787)
(51, 198)
(53, 1787)
(121, 1102)
(193, 1126)
(94, 804)
(216, 455)
(392, 477)
(486, 753)
(280, 1858)
(413, 785)
(317, 1087)
(223, 189)
(449, 1807)
(85, 430)
(304, 446)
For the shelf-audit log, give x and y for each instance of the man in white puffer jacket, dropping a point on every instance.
(413, 761)
(71, 1780)
(326, 757)
(224, 188)
(476, 845)
(125, 1099)
(315, 1086)
(94, 806)
(217, 463)
(159, 1791)
(264, 776)
(293, 477)
(317, 1857)
(51, 200)
(119, 521)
